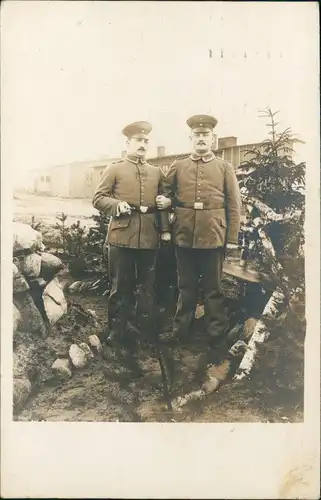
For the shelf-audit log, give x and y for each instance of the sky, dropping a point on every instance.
(73, 74)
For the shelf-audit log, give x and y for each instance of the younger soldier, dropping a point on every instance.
(205, 194)
(127, 192)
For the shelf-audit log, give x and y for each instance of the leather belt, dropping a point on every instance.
(198, 205)
(143, 209)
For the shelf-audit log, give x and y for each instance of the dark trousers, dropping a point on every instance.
(166, 278)
(132, 278)
(205, 267)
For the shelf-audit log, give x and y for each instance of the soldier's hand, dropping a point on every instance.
(123, 208)
(162, 202)
(166, 236)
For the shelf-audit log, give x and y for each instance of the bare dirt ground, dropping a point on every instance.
(128, 388)
(125, 387)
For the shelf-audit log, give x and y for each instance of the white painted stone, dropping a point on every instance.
(54, 301)
(94, 341)
(25, 237)
(86, 349)
(61, 367)
(199, 312)
(75, 286)
(31, 265)
(77, 356)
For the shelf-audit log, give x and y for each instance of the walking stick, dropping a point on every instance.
(156, 347)
(160, 356)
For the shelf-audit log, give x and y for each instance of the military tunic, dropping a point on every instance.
(138, 183)
(206, 197)
(206, 200)
(133, 239)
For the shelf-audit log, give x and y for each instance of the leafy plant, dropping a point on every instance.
(97, 233)
(95, 254)
(63, 230)
(275, 179)
(273, 176)
(75, 239)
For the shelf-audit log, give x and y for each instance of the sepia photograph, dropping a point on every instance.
(157, 282)
(158, 157)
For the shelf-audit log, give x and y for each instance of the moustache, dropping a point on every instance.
(142, 149)
(201, 143)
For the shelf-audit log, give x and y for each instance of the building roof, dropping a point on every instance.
(217, 149)
(100, 162)
(104, 161)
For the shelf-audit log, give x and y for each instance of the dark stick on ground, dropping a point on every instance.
(164, 377)
(155, 322)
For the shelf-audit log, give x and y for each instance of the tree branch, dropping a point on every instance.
(276, 267)
(272, 310)
(265, 210)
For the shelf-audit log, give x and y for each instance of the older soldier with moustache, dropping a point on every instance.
(127, 192)
(204, 193)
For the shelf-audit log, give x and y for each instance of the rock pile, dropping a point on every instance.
(38, 303)
(38, 295)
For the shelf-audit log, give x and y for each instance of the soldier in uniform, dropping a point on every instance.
(204, 193)
(127, 192)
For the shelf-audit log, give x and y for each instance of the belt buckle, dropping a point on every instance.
(143, 209)
(198, 205)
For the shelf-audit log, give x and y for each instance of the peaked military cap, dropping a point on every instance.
(201, 122)
(137, 128)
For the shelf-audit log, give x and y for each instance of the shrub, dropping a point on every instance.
(276, 180)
